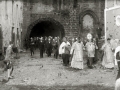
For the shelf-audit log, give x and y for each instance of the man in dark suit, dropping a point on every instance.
(49, 47)
(55, 48)
(32, 44)
(41, 47)
(99, 32)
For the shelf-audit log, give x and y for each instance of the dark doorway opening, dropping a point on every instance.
(47, 28)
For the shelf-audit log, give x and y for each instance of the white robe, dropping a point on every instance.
(61, 49)
(116, 50)
(108, 58)
(77, 52)
(90, 47)
(114, 43)
(117, 84)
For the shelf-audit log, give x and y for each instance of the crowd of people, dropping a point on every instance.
(46, 45)
(72, 52)
(55, 45)
(110, 57)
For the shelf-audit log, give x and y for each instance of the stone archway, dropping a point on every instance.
(41, 20)
(95, 22)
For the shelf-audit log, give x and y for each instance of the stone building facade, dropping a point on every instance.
(81, 14)
(11, 19)
(74, 17)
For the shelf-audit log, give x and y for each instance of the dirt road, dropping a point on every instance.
(33, 73)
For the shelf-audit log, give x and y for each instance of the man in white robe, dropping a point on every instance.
(90, 47)
(77, 54)
(108, 58)
(64, 50)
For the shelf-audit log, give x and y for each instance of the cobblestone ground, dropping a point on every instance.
(33, 73)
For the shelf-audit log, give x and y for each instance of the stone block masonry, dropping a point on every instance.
(23, 14)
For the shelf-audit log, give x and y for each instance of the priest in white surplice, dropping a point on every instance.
(77, 54)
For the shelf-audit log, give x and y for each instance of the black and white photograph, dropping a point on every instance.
(59, 44)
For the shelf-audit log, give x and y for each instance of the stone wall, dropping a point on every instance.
(26, 19)
(18, 15)
(71, 24)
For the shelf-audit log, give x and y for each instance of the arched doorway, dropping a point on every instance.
(45, 27)
(88, 21)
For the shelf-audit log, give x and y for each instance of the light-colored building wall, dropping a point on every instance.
(11, 19)
(112, 19)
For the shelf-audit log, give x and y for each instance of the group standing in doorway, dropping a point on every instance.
(45, 44)
(72, 50)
